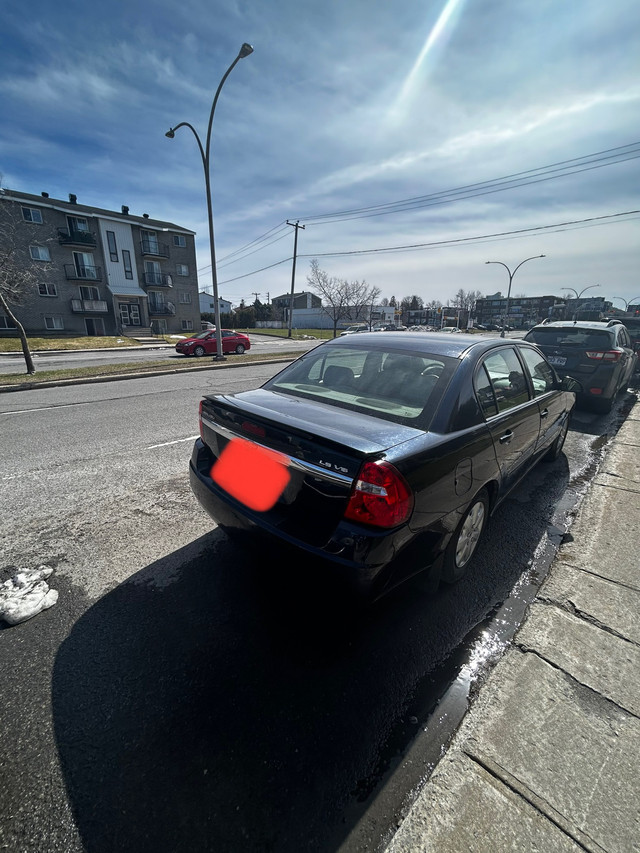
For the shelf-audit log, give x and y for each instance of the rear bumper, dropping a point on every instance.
(368, 560)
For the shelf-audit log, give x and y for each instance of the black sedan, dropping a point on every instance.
(382, 453)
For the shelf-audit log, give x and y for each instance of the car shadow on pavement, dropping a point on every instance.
(239, 704)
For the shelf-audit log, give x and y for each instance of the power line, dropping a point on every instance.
(531, 176)
(255, 272)
(458, 240)
(479, 238)
(540, 174)
(262, 238)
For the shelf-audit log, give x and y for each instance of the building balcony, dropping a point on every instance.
(167, 309)
(70, 237)
(152, 247)
(94, 306)
(157, 279)
(82, 273)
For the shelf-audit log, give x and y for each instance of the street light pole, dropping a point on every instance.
(627, 302)
(511, 275)
(578, 295)
(205, 154)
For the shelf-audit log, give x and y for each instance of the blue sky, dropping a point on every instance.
(345, 105)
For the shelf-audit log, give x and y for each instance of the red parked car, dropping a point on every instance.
(205, 343)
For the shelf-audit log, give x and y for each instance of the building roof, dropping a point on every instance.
(295, 295)
(89, 210)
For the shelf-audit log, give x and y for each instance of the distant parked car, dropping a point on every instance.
(205, 343)
(599, 355)
(383, 454)
(632, 325)
(352, 330)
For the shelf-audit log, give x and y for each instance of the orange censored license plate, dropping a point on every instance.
(251, 474)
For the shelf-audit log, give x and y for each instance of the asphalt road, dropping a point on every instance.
(14, 363)
(192, 693)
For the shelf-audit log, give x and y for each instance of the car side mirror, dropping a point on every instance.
(568, 383)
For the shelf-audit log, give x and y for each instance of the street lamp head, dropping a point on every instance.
(170, 133)
(245, 50)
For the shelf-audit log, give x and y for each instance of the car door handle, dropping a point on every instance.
(506, 438)
(544, 413)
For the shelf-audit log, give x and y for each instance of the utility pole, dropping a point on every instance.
(294, 225)
(256, 295)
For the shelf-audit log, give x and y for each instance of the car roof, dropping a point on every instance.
(454, 346)
(582, 324)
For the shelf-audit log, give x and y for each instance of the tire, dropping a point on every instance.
(240, 349)
(464, 541)
(199, 351)
(556, 448)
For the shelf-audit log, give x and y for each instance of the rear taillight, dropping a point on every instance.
(604, 355)
(380, 497)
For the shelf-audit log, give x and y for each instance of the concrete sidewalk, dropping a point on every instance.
(548, 758)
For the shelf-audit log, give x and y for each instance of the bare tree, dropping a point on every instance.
(341, 299)
(18, 277)
(362, 298)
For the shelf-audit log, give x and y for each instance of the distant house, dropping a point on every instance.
(208, 305)
(103, 272)
(306, 300)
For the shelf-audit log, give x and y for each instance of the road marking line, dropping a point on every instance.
(177, 441)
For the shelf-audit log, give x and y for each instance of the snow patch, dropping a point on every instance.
(26, 594)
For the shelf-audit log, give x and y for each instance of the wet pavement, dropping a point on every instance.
(547, 757)
(209, 702)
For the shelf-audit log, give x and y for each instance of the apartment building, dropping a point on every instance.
(523, 310)
(97, 271)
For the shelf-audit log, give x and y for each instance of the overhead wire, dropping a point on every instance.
(527, 177)
(531, 176)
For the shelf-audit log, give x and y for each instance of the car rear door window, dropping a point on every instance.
(507, 379)
(484, 393)
(542, 375)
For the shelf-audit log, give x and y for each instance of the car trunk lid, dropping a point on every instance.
(324, 448)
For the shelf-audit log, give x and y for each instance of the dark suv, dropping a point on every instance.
(598, 354)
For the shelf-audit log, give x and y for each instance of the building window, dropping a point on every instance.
(84, 265)
(187, 325)
(126, 260)
(185, 298)
(150, 242)
(89, 293)
(182, 269)
(6, 323)
(47, 290)
(78, 223)
(179, 240)
(53, 322)
(113, 249)
(39, 253)
(32, 214)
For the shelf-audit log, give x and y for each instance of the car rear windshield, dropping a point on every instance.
(395, 386)
(571, 336)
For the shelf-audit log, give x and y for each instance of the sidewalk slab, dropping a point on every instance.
(594, 657)
(604, 536)
(467, 810)
(596, 599)
(557, 753)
